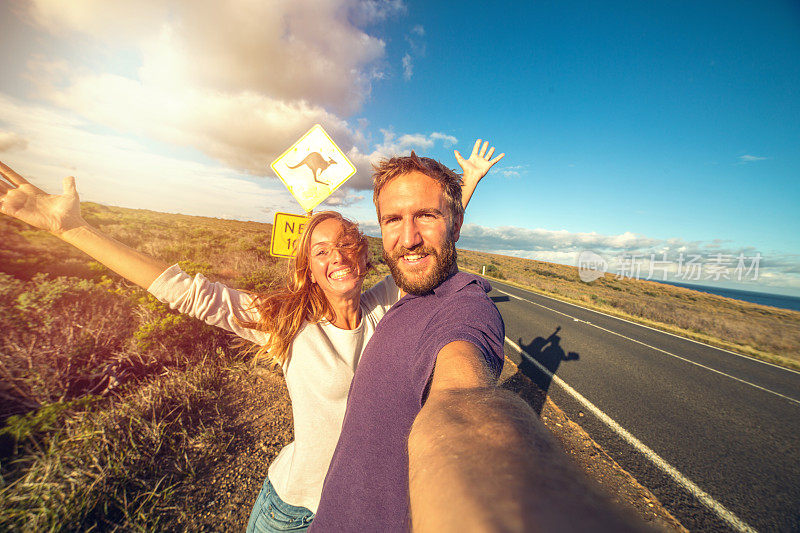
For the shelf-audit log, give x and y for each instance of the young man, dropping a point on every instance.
(424, 404)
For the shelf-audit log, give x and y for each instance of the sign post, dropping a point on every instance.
(312, 169)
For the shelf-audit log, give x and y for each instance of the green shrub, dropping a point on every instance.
(59, 339)
(65, 337)
(261, 280)
(194, 267)
(21, 428)
(493, 271)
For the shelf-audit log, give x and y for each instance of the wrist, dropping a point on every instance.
(75, 231)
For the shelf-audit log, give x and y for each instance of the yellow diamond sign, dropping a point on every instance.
(286, 230)
(312, 168)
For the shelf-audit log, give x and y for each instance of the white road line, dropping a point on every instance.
(749, 358)
(656, 349)
(702, 496)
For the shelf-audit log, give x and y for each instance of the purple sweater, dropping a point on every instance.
(366, 488)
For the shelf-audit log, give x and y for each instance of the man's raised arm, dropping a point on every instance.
(481, 460)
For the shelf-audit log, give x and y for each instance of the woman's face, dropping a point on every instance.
(337, 269)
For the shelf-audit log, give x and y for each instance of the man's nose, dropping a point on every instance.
(410, 236)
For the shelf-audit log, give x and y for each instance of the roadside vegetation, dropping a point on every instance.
(112, 406)
(759, 331)
(116, 412)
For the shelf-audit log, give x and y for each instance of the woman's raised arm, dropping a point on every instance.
(475, 168)
(61, 216)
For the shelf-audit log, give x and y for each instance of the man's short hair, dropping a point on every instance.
(388, 169)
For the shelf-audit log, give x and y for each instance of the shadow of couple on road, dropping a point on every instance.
(540, 360)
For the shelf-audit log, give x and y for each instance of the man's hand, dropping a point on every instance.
(481, 460)
(475, 168)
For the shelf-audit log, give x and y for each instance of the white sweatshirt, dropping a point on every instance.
(318, 371)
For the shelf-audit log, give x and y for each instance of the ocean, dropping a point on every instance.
(763, 298)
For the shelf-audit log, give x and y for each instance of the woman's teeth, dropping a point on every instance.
(339, 274)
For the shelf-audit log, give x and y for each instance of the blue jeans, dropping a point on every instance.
(271, 514)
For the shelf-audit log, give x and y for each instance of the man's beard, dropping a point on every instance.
(444, 264)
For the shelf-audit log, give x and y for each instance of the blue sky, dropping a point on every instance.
(629, 128)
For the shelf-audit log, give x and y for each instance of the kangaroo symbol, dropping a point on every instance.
(317, 164)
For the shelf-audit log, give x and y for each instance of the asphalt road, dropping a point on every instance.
(714, 435)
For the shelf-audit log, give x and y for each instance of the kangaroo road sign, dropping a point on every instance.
(312, 168)
(286, 229)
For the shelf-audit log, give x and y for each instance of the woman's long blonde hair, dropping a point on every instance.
(282, 313)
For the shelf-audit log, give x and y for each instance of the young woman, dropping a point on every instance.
(315, 330)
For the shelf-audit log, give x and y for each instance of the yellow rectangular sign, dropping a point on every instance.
(286, 230)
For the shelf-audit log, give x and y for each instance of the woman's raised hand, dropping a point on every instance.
(50, 212)
(60, 214)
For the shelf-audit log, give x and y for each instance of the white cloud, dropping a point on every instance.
(516, 238)
(10, 141)
(298, 50)
(245, 130)
(391, 146)
(117, 170)
(416, 44)
(408, 67)
(627, 250)
(513, 171)
(370, 11)
(415, 40)
(239, 83)
(341, 198)
(448, 140)
(750, 158)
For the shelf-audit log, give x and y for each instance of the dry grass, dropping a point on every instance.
(119, 464)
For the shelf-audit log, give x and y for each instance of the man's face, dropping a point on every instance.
(418, 234)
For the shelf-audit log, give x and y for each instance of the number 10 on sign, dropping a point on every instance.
(286, 230)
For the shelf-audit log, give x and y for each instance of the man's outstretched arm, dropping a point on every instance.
(481, 460)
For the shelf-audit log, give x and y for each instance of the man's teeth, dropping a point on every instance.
(339, 274)
(413, 257)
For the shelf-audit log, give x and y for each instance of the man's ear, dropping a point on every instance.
(455, 230)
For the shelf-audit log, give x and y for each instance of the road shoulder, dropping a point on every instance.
(598, 466)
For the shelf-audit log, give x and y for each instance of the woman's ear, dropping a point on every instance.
(313, 280)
